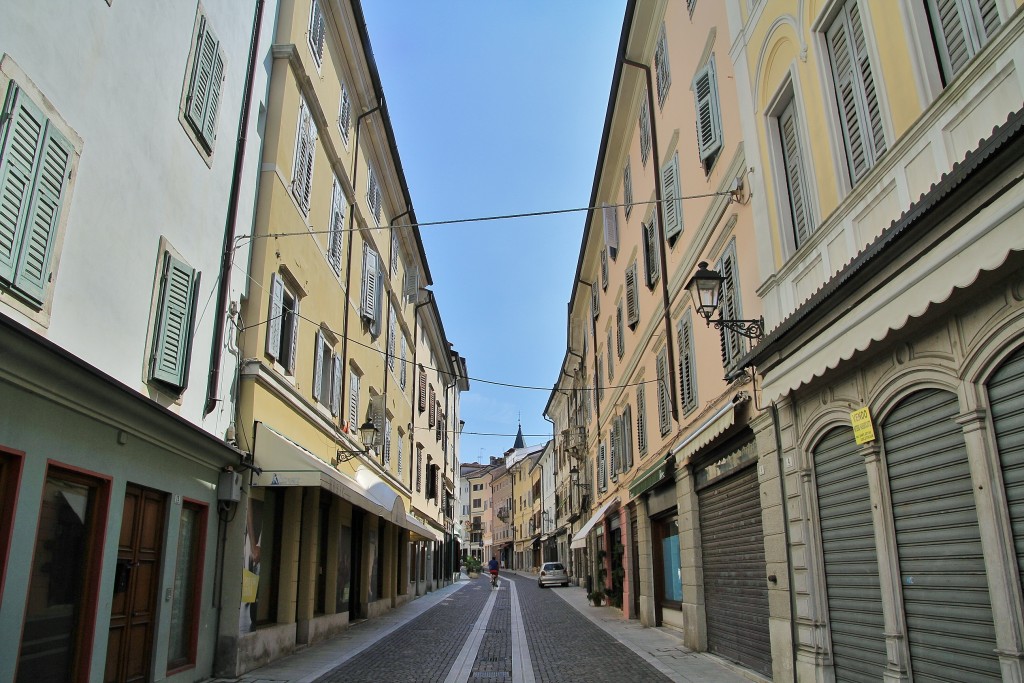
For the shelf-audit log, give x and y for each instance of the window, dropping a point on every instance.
(403, 364)
(422, 389)
(611, 232)
(373, 195)
(651, 265)
(641, 419)
(326, 374)
(400, 459)
(632, 305)
(387, 442)
(602, 474)
(729, 300)
(395, 257)
(283, 324)
(345, 114)
(690, 4)
(392, 324)
(860, 115)
(188, 579)
(175, 313)
(620, 341)
(627, 188)
(611, 358)
(337, 227)
(960, 28)
(595, 299)
(667, 561)
(353, 400)
(793, 167)
(664, 397)
(316, 33)
(614, 449)
(599, 372)
(645, 132)
(302, 166)
(687, 364)
(372, 290)
(672, 209)
(419, 467)
(477, 503)
(709, 117)
(661, 67)
(626, 438)
(35, 168)
(432, 412)
(604, 269)
(202, 99)
(10, 477)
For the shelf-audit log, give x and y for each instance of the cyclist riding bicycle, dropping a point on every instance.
(492, 567)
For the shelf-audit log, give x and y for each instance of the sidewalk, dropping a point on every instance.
(660, 647)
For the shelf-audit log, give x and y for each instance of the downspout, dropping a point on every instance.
(661, 234)
(785, 531)
(228, 252)
(348, 258)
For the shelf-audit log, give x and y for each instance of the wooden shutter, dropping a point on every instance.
(377, 415)
(961, 28)
(274, 321)
(378, 313)
(302, 173)
(595, 302)
(295, 337)
(792, 159)
(598, 376)
(613, 449)
(611, 357)
(335, 385)
(203, 65)
(641, 419)
(402, 373)
(392, 322)
(627, 188)
(318, 366)
(412, 284)
(394, 253)
(368, 308)
(345, 113)
(387, 442)
(651, 265)
(632, 305)
(645, 132)
(317, 31)
(432, 416)
(611, 231)
(661, 67)
(602, 479)
(174, 335)
(627, 438)
(604, 269)
(422, 390)
(687, 366)
(209, 128)
(671, 208)
(664, 413)
(337, 235)
(353, 401)
(620, 336)
(709, 118)
(729, 302)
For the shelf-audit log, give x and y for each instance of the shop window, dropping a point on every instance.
(188, 581)
(667, 563)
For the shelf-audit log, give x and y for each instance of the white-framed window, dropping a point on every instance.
(353, 400)
(796, 194)
(326, 374)
(627, 188)
(661, 67)
(283, 324)
(345, 114)
(302, 165)
(672, 207)
(373, 194)
(960, 28)
(645, 132)
(709, 115)
(860, 115)
(206, 78)
(37, 161)
(336, 238)
(372, 292)
(687, 364)
(317, 32)
(171, 346)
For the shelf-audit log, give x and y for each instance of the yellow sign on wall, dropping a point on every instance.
(863, 431)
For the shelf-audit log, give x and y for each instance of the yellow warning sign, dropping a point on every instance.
(863, 431)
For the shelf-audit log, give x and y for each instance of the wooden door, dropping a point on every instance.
(133, 609)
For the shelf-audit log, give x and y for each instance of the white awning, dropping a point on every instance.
(580, 539)
(707, 432)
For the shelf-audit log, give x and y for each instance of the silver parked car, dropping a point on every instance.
(553, 574)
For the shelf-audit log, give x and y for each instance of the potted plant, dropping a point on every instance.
(473, 566)
(596, 597)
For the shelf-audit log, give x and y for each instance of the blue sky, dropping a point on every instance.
(497, 109)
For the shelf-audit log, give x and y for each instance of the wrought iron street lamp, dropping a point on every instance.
(705, 288)
(368, 435)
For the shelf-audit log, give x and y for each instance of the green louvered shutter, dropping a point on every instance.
(641, 420)
(318, 365)
(709, 119)
(671, 207)
(632, 307)
(172, 346)
(664, 397)
(961, 28)
(21, 136)
(213, 102)
(627, 438)
(206, 77)
(794, 168)
(687, 365)
(335, 385)
(274, 320)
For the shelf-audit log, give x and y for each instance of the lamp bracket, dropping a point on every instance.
(751, 329)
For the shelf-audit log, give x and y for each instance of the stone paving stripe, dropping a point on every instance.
(463, 666)
(523, 673)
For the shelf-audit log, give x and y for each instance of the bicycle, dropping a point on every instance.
(494, 578)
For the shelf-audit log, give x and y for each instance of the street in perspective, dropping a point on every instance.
(617, 340)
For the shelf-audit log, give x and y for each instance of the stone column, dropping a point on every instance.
(334, 551)
(308, 564)
(695, 629)
(288, 579)
(643, 531)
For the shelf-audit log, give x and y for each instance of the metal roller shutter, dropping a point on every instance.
(851, 562)
(1006, 397)
(945, 590)
(735, 584)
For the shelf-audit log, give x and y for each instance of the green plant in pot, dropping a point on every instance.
(596, 597)
(473, 566)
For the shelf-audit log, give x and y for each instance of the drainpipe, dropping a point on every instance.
(348, 257)
(785, 532)
(661, 234)
(228, 252)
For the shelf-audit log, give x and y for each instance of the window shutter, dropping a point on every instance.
(392, 323)
(387, 443)
(613, 450)
(793, 163)
(620, 337)
(336, 385)
(664, 414)
(627, 438)
(317, 30)
(611, 231)
(377, 412)
(611, 357)
(174, 334)
(402, 373)
(988, 16)
(378, 313)
(394, 253)
(601, 470)
(203, 64)
(875, 134)
(687, 383)
(353, 401)
(302, 174)
(209, 127)
(274, 323)
(604, 269)
(423, 390)
(599, 374)
(627, 188)
(651, 265)
(641, 419)
(295, 338)
(661, 67)
(632, 305)
(671, 208)
(368, 309)
(412, 284)
(961, 28)
(345, 113)
(318, 365)
(337, 235)
(432, 416)
(645, 132)
(709, 119)
(399, 455)
(595, 302)
(732, 342)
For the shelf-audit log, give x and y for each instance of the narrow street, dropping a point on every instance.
(470, 633)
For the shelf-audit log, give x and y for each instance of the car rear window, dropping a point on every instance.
(553, 566)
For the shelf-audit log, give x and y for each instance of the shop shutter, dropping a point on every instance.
(735, 587)
(851, 562)
(942, 571)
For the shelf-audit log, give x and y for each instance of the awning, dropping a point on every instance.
(652, 476)
(580, 539)
(708, 431)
